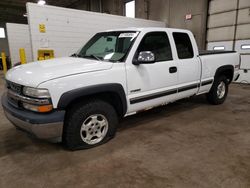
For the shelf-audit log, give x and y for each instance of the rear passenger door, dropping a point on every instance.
(189, 66)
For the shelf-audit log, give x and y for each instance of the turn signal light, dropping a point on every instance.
(35, 108)
(46, 108)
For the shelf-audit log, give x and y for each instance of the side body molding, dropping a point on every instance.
(75, 94)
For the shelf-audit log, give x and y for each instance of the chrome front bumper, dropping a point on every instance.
(47, 126)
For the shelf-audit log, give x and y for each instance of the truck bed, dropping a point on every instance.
(213, 52)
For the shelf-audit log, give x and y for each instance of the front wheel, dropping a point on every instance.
(218, 93)
(89, 124)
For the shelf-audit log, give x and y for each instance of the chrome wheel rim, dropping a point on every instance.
(221, 90)
(94, 129)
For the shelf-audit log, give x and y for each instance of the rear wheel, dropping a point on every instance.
(89, 124)
(218, 93)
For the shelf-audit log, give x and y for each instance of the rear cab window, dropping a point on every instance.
(183, 45)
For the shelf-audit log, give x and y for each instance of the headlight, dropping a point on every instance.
(36, 92)
(39, 95)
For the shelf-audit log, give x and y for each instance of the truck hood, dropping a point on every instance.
(32, 74)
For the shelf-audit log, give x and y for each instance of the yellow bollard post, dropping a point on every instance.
(4, 62)
(22, 55)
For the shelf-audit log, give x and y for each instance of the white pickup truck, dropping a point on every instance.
(79, 99)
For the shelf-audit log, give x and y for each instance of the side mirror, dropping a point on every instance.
(145, 57)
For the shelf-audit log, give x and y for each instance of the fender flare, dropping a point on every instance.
(69, 96)
(223, 69)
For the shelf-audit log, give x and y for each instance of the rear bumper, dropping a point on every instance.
(47, 126)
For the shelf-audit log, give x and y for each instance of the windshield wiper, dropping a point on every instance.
(86, 56)
(92, 56)
(75, 55)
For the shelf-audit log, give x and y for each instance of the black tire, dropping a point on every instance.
(212, 96)
(78, 114)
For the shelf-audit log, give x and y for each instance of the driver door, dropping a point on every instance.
(152, 84)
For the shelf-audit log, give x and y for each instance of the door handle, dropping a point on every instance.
(172, 69)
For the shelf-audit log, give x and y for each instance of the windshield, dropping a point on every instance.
(108, 46)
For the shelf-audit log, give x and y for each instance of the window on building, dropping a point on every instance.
(130, 9)
(158, 43)
(183, 45)
(219, 48)
(2, 33)
(245, 47)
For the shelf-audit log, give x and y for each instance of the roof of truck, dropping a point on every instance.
(147, 29)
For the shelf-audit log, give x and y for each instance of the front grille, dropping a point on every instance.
(14, 87)
(13, 102)
(16, 97)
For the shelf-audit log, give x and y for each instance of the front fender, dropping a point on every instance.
(68, 97)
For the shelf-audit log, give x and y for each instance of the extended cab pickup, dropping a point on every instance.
(79, 99)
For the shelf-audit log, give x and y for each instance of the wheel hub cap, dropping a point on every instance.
(221, 90)
(94, 129)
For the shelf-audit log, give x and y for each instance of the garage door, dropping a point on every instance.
(228, 28)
